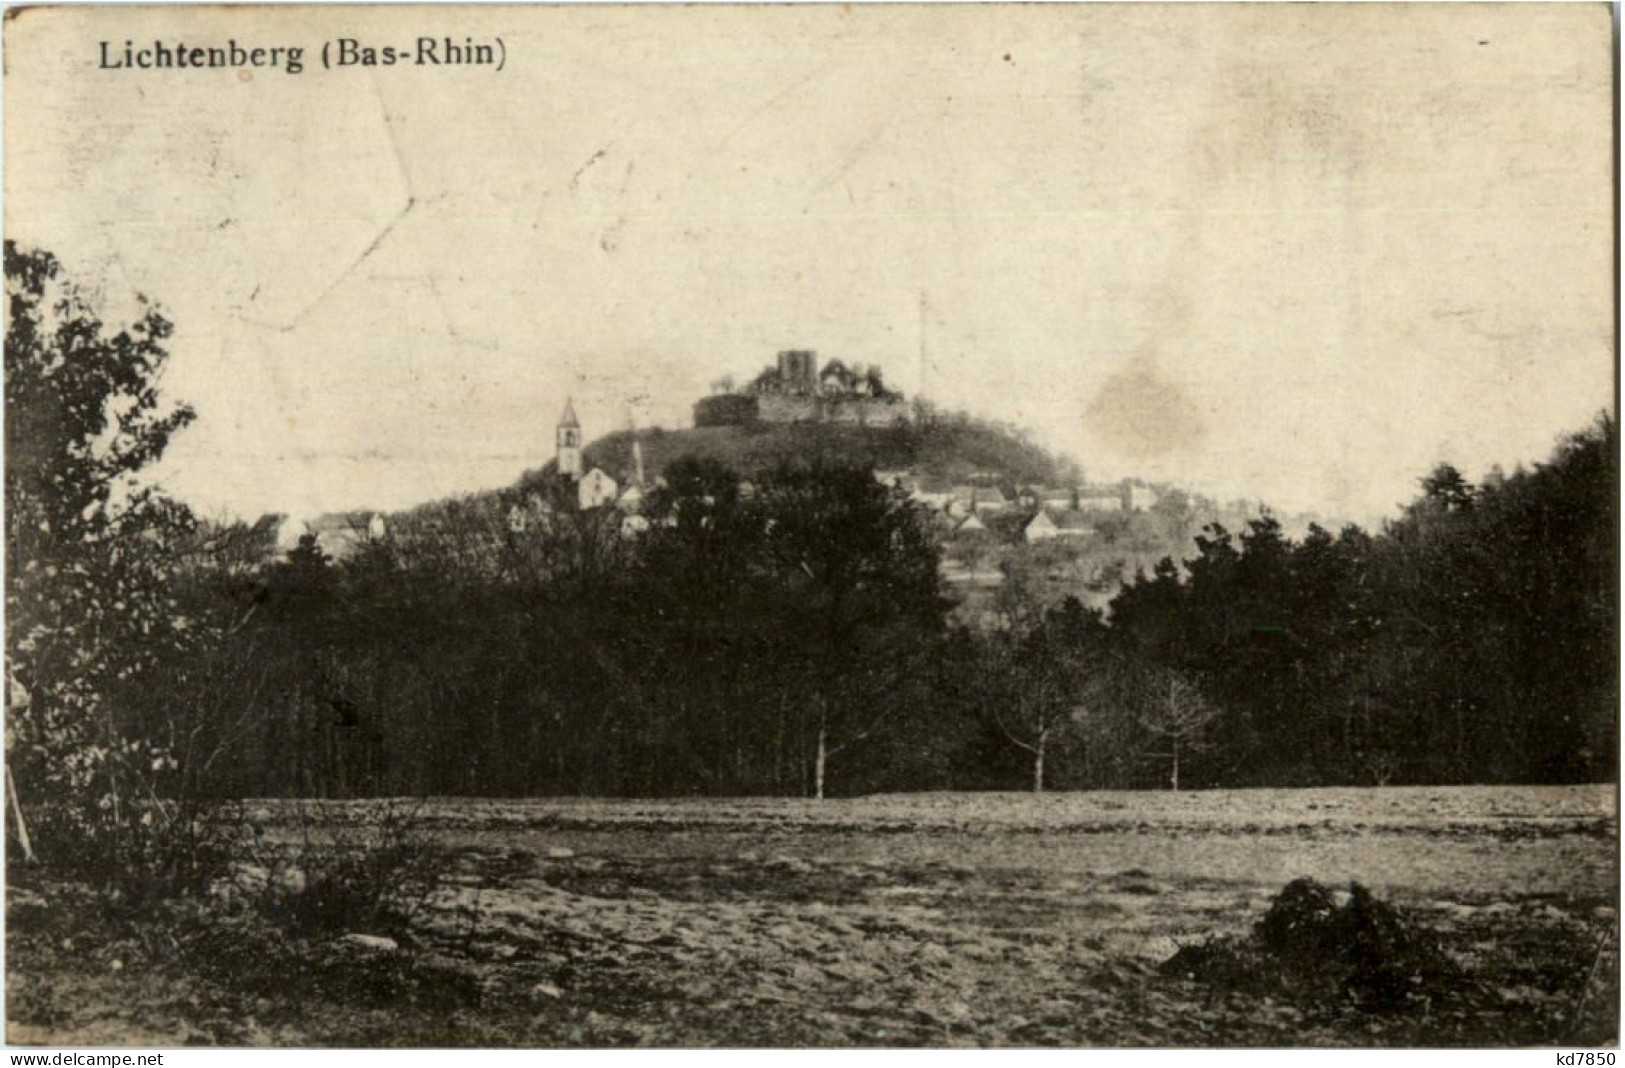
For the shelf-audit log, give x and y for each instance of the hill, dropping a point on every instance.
(954, 449)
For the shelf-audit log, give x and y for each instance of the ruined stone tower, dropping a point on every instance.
(798, 371)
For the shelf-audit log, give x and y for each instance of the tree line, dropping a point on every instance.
(789, 634)
(1473, 640)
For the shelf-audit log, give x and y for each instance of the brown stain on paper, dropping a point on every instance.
(1142, 413)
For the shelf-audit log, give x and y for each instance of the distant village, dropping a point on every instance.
(793, 390)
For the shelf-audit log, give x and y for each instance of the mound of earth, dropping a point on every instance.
(1309, 946)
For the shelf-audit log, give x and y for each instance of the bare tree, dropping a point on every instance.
(1031, 703)
(1177, 712)
(1043, 677)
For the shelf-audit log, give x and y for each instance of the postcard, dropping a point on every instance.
(811, 525)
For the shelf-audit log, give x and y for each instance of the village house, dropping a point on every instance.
(972, 524)
(337, 534)
(340, 534)
(532, 513)
(968, 500)
(990, 499)
(897, 480)
(932, 494)
(1064, 499)
(1048, 524)
(280, 533)
(1141, 497)
(941, 523)
(1125, 496)
(595, 490)
(1100, 502)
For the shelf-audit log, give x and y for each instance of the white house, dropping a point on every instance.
(595, 490)
(1049, 524)
(286, 533)
(631, 499)
(338, 534)
(989, 499)
(1141, 497)
(341, 533)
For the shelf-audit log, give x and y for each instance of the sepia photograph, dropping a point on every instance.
(786, 526)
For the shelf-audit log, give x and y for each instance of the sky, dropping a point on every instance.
(1294, 253)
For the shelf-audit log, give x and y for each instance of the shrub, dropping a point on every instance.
(154, 850)
(349, 869)
(1307, 946)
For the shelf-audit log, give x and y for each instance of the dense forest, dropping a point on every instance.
(799, 639)
(787, 635)
(1473, 640)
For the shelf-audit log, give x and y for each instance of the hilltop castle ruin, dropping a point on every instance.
(795, 391)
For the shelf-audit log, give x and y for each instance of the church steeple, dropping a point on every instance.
(569, 442)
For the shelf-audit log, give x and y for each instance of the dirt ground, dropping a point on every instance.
(1005, 920)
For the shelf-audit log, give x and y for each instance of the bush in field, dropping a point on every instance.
(167, 848)
(348, 871)
(1363, 953)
